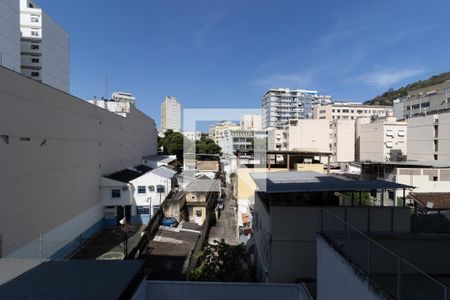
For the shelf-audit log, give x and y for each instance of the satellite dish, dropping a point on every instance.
(123, 221)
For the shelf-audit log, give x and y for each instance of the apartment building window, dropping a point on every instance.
(35, 60)
(436, 148)
(359, 111)
(415, 106)
(34, 20)
(35, 74)
(143, 210)
(34, 33)
(435, 157)
(115, 193)
(34, 47)
(345, 110)
(425, 104)
(141, 189)
(448, 100)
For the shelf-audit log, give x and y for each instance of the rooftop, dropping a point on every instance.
(63, 279)
(204, 184)
(170, 251)
(432, 201)
(420, 164)
(125, 175)
(303, 182)
(164, 172)
(143, 168)
(164, 159)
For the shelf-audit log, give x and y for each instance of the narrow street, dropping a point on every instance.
(226, 225)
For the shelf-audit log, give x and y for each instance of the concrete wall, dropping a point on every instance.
(344, 141)
(170, 290)
(54, 150)
(10, 34)
(292, 234)
(337, 279)
(377, 139)
(421, 137)
(310, 135)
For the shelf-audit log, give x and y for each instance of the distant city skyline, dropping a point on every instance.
(212, 54)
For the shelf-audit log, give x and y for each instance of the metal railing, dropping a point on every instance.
(385, 269)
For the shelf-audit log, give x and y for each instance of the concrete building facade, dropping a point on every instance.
(10, 34)
(44, 47)
(343, 141)
(251, 122)
(309, 135)
(193, 135)
(281, 105)
(216, 132)
(424, 101)
(383, 140)
(429, 138)
(55, 148)
(350, 111)
(171, 114)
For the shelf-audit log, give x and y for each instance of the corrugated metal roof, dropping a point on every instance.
(164, 172)
(66, 279)
(204, 185)
(301, 182)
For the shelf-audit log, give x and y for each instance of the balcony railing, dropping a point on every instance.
(385, 269)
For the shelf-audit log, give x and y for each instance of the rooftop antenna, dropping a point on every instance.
(106, 86)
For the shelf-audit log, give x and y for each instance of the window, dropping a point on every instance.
(198, 212)
(416, 106)
(155, 209)
(34, 33)
(115, 193)
(34, 20)
(143, 210)
(141, 189)
(34, 47)
(35, 60)
(151, 188)
(425, 104)
(35, 74)
(345, 110)
(448, 100)
(435, 178)
(160, 189)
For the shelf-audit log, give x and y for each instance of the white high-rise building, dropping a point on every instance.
(281, 105)
(10, 34)
(44, 47)
(171, 114)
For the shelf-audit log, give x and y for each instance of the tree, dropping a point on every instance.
(173, 144)
(207, 146)
(366, 199)
(222, 262)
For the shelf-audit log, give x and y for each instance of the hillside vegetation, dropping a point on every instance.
(392, 94)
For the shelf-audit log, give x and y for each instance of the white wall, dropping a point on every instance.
(53, 173)
(150, 198)
(10, 34)
(310, 134)
(337, 279)
(344, 140)
(421, 137)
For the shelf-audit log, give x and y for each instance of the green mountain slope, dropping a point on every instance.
(389, 96)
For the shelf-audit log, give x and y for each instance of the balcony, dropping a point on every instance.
(382, 265)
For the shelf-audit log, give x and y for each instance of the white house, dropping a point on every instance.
(136, 193)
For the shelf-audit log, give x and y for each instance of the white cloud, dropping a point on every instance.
(388, 77)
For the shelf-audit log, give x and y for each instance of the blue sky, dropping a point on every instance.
(226, 53)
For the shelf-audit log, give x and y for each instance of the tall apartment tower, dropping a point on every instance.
(10, 34)
(171, 114)
(281, 105)
(44, 47)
